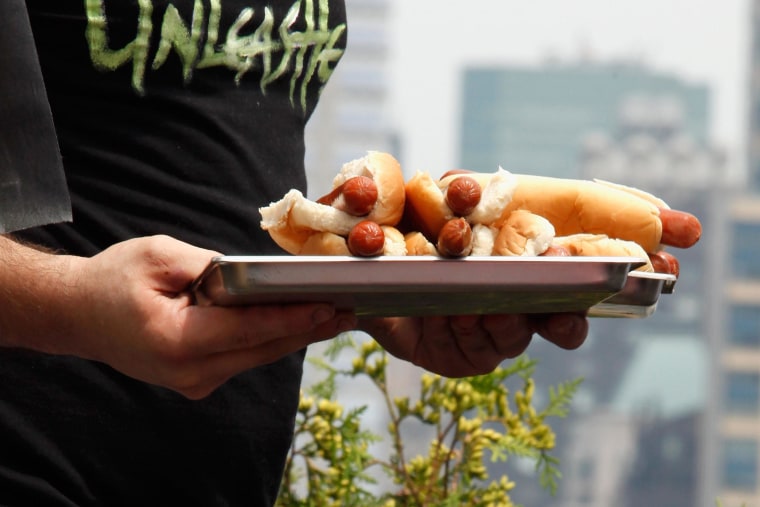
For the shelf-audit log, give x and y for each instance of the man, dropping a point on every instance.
(176, 121)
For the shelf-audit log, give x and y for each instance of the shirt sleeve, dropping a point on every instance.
(33, 189)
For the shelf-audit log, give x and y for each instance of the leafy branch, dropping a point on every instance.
(468, 419)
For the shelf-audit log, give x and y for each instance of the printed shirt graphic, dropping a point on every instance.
(184, 116)
(301, 43)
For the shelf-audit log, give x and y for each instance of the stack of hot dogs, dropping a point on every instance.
(373, 211)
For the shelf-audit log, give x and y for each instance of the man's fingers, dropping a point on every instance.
(476, 344)
(196, 376)
(566, 330)
(511, 333)
(210, 330)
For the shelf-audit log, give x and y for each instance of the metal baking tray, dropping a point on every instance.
(638, 298)
(403, 286)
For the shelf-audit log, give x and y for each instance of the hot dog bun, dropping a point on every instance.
(600, 245)
(386, 172)
(427, 210)
(524, 234)
(577, 206)
(418, 244)
(294, 219)
(395, 243)
(324, 243)
(328, 243)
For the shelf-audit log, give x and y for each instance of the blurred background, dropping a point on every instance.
(664, 96)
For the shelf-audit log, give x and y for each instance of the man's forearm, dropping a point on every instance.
(35, 289)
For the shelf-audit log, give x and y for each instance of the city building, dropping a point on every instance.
(733, 468)
(648, 383)
(534, 119)
(735, 465)
(352, 114)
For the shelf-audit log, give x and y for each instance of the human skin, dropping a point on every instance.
(129, 307)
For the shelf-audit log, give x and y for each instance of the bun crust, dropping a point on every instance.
(524, 234)
(418, 244)
(293, 220)
(576, 206)
(325, 243)
(426, 208)
(386, 172)
(508, 214)
(428, 211)
(395, 244)
(601, 245)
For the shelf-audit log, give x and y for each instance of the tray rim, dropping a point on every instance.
(608, 275)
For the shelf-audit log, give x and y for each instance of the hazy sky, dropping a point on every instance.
(702, 40)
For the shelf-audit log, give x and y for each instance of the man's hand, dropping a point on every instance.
(129, 307)
(472, 345)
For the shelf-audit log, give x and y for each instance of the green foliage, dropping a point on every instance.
(470, 420)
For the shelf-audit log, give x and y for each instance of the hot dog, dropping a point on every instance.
(479, 198)
(466, 213)
(463, 195)
(366, 239)
(455, 238)
(572, 207)
(385, 172)
(364, 242)
(294, 219)
(664, 262)
(578, 206)
(356, 196)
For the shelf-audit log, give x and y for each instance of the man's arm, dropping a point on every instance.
(129, 307)
(35, 287)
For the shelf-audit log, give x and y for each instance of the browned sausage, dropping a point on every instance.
(679, 229)
(366, 239)
(455, 238)
(452, 172)
(359, 196)
(556, 251)
(463, 194)
(664, 262)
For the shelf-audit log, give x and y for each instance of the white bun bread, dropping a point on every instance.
(418, 244)
(524, 234)
(483, 240)
(395, 243)
(602, 246)
(577, 206)
(324, 243)
(292, 220)
(386, 172)
(426, 209)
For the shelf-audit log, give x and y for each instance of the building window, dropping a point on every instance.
(745, 326)
(740, 464)
(746, 245)
(742, 392)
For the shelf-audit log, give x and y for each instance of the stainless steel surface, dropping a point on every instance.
(418, 285)
(638, 298)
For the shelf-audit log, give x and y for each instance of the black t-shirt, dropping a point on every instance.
(176, 117)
